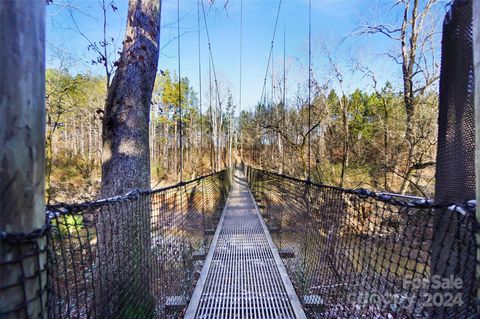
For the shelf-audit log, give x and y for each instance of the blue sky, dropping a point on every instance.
(333, 25)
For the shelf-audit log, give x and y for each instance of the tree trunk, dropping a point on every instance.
(281, 153)
(230, 140)
(82, 139)
(166, 161)
(385, 146)
(22, 157)
(90, 141)
(345, 140)
(126, 166)
(74, 139)
(241, 145)
(126, 162)
(175, 151)
(408, 61)
(48, 160)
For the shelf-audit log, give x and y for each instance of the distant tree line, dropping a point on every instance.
(74, 133)
(357, 140)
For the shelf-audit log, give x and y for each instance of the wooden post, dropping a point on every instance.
(476, 72)
(22, 156)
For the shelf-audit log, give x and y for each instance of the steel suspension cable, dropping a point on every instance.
(211, 53)
(273, 85)
(307, 192)
(212, 67)
(201, 124)
(179, 93)
(284, 108)
(211, 113)
(271, 50)
(240, 70)
(241, 47)
(200, 84)
(264, 89)
(180, 121)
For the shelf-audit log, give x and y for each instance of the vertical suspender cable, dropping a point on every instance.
(180, 137)
(272, 106)
(212, 160)
(200, 85)
(284, 111)
(264, 89)
(309, 83)
(307, 186)
(240, 89)
(180, 129)
(201, 124)
(211, 60)
(273, 85)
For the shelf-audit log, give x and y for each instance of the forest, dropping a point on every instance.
(381, 136)
(357, 139)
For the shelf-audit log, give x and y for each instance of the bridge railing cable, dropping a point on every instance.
(359, 253)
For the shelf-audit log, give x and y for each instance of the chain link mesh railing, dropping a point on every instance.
(360, 254)
(131, 256)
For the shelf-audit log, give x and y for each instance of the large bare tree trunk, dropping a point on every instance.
(22, 156)
(126, 162)
(411, 34)
(124, 239)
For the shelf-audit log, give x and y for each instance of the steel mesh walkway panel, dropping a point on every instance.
(242, 276)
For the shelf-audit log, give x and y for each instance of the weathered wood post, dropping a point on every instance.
(22, 164)
(476, 72)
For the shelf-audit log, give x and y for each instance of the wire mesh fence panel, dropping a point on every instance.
(23, 272)
(132, 256)
(355, 253)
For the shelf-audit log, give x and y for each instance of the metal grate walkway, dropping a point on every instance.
(243, 276)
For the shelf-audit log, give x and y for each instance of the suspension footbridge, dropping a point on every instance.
(243, 276)
(246, 242)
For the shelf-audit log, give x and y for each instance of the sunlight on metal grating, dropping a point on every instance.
(243, 279)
